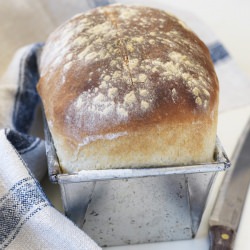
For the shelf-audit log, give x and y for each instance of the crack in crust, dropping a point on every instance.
(113, 17)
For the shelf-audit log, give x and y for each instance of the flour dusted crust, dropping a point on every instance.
(128, 86)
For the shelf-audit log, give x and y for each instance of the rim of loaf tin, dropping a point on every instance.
(221, 162)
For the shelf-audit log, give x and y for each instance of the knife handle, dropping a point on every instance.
(221, 238)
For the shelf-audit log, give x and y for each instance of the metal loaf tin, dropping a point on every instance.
(133, 206)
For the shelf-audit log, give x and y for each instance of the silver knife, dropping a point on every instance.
(226, 214)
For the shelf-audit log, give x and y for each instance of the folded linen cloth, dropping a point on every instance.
(27, 219)
(19, 101)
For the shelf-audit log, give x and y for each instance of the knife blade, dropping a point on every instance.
(226, 214)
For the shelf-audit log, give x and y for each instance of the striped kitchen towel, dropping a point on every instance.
(27, 219)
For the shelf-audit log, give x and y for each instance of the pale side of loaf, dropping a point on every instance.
(128, 86)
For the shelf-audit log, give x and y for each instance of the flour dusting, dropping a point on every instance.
(115, 46)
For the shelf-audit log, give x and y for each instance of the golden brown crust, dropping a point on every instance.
(119, 68)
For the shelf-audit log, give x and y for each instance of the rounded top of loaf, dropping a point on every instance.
(117, 68)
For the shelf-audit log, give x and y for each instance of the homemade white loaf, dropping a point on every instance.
(128, 86)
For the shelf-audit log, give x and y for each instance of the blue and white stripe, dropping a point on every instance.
(218, 52)
(22, 202)
(99, 3)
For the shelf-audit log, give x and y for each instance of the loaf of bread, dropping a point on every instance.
(128, 87)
